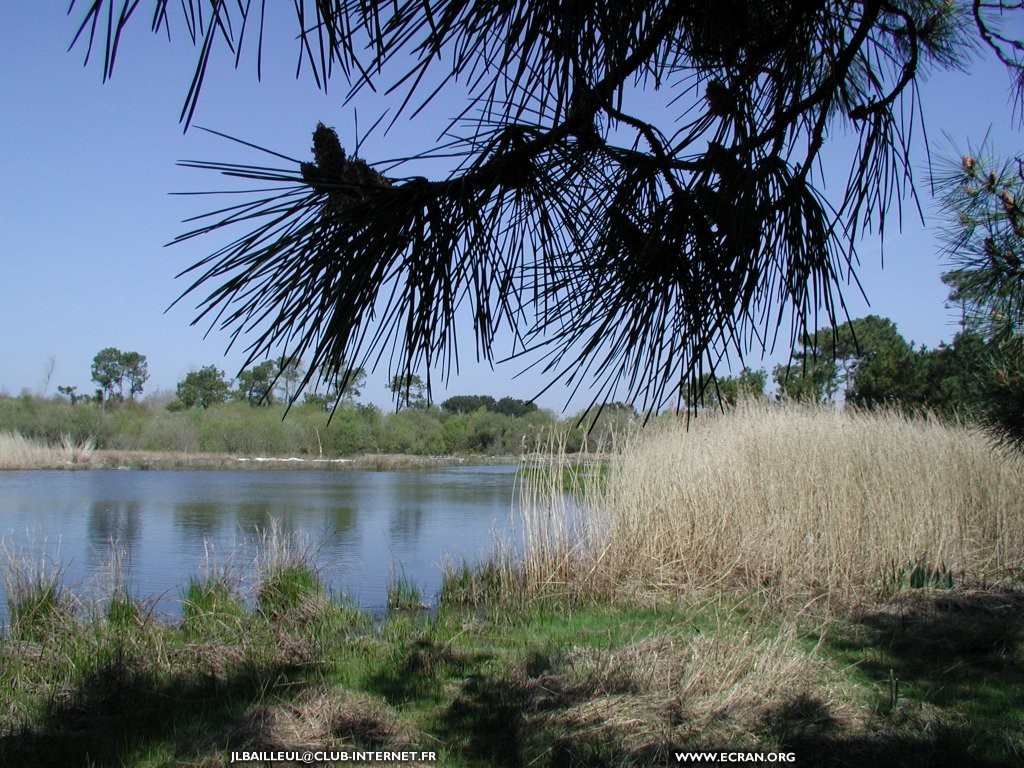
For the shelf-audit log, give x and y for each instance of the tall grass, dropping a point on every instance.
(33, 580)
(555, 539)
(797, 502)
(289, 583)
(17, 452)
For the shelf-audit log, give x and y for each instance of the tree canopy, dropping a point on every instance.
(256, 384)
(203, 388)
(637, 190)
(113, 369)
(983, 198)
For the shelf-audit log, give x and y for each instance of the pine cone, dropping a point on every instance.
(327, 152)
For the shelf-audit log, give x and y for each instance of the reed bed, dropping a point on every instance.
(17, 452)
(547, 652)
(797, 502)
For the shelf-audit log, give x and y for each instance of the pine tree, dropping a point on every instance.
(638, 188)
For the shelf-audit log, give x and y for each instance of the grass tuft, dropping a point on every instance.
(404, 594)
(37, 603)
(290, 586)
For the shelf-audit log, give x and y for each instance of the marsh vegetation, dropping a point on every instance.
(843, 586)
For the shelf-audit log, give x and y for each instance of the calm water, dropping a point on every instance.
(364, 526)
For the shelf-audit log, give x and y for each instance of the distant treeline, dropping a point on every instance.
(865, 363)
(462, 425)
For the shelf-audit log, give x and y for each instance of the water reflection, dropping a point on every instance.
(405, 524)
(341, 521)
(197, 519)
(362, 526)
(114, 521)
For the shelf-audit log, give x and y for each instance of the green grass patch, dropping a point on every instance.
(941, 672)
(404, 594)
(38, 613)
(553, 685)
(468, 585)
(123, 610)
(211, 609)
(289, 590)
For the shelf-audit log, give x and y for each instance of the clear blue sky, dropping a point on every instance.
(85, 210)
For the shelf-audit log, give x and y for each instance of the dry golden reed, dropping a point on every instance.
(797, 502)
(17, 452)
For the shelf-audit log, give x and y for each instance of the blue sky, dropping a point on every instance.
(85, 210)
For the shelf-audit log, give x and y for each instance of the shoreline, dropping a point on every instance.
(175, 460)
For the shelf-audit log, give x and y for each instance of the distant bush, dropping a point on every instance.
(50, 420)
(304, 430)
(413, 431)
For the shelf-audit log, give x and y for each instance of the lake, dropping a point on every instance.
(364, 528)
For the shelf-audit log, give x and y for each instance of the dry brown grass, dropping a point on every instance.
(17, 452)
(799, 503)
(326, 717)
(704, 691)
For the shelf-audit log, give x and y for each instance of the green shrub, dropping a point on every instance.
(413, 431)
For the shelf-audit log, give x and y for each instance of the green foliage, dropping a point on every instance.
(512, 406)
(210, 608)
(107, 370)
(455, 432)
(128, 426)
(71, 393)
(409, 391)
(307, 430)
(954, 376)
(288, 377)
(113, 369)
(984, 240)
(50, 420)
(596, 428)
(38, 611)
(256, 384)
(203, 388)
(355, 430)
(481, 424)
(869, 362)
(404, 594)
(289, 591)
(813, 377)
(485, 432)
(136, 372)
(246, 431)
(879, 366)
(873, 366)
(983, 200)
(728, 390)
(413, 431)
(923, 576)
(468, 403)
(123, 611)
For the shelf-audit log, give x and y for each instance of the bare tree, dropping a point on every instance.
(48, 371)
